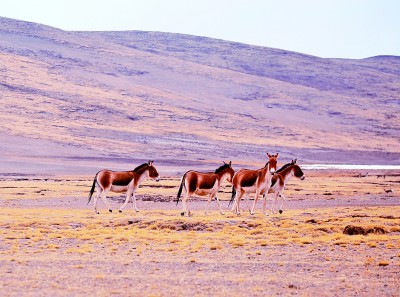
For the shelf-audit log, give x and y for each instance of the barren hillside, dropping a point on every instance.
(75, 101)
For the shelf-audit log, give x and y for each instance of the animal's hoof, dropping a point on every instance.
(97, 212)
(110, 210)
(280, 211)
(120, 211)
(222, 213)
(182, 214)
(137, 210)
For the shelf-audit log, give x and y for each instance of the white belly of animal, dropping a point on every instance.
(202, 192)
(251, 189)
(119, 189)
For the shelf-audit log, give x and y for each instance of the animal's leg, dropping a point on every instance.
(239, 195)
(234, 203)
(134, 202)
(265, 204)
(234, 206)
(219, 205)
(255, 202)
(283, 201)
(128, 196)
(247, 201)
(103, 197)
(273, 205)
(185, 205)
(208, 203)
(188, 210)
(95, 200)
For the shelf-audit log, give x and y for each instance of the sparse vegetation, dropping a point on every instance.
(106, 248)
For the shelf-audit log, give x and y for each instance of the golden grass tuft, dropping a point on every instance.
(280, 242)
(214, 247)
(84, 249)
(370, 261)
(51, 246)
(262, 242)
(395, 229)
(99, 276)
(237, 242)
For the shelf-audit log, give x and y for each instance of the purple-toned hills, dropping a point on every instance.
(75, 101)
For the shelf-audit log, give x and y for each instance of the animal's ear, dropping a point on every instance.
(269, 156)
(277, 154)
(230, 163)
(224, 162)
(150, 162)
(295, 160)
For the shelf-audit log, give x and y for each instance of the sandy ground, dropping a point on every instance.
(51, 242)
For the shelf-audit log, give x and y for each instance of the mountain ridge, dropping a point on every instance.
(139, 95)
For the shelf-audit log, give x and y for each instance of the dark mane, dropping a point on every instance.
(218, 170)
(283, 167)
(140, 167)
(266, 164)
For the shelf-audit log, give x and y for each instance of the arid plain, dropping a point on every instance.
(52, 243)
(73, 103)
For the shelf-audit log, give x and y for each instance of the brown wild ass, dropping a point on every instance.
(121, 181)
(247, 181)
(203, 184)
(279, 180)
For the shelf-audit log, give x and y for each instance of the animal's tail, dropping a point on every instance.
(180, 189)
(92, 189)
(233, 195)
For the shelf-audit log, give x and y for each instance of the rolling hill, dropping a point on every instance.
(74, 102)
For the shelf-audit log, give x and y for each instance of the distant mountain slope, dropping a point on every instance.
(335, 75)
(79, 96)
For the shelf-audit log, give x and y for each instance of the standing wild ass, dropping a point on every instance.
(203, 184)
(247, 181)
(278, 182)
(280, 179)
(121, 181)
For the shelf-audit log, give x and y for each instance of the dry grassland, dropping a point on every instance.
(64, 249)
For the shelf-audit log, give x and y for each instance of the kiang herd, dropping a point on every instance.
(244, 182)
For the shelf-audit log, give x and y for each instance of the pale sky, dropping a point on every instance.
(324, 28)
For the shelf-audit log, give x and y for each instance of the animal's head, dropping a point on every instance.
(153, 173)
(272, 162)
(226, 170)
(297, 170)
(230, 171)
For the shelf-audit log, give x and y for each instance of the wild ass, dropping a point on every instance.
(247, 181)
(203, 184)
(121, 181)
(280, 179)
